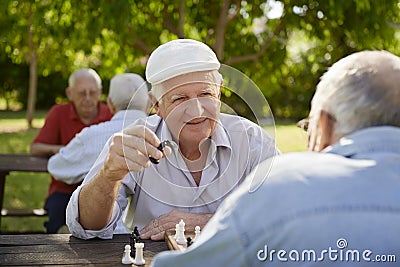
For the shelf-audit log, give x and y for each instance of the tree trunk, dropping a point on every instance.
(32, 73)
(32, 89)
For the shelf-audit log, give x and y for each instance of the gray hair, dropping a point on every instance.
(158, 90)
(84, 72)
(129, 91)
(360, 91)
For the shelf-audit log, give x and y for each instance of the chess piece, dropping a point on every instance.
(136, 232)
(180, 234)
(176, 230)
(196, 232)
(161, 148)
(189, 241)
(126, 257)
(139, 260)
(132, 241)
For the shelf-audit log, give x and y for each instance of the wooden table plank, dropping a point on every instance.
(65, 250)
(26, 163)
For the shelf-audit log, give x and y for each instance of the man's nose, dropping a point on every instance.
(194, 108)
(87, 95)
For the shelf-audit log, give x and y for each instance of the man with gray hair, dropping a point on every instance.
(128, 100)
(340, 207)
(62, 123)
(208, 154)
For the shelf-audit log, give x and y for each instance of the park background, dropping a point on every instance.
(283, 46)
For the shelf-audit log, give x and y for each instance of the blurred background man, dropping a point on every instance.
(62, 123)
(128, 100)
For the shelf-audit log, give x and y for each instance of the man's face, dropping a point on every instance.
(190, 107)
(85, 96)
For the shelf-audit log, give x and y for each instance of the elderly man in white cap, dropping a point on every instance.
(208, 153)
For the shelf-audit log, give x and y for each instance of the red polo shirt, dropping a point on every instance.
(61, 125)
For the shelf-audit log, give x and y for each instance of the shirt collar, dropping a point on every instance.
(126, 114)
(72, 112)
(99, 117)
(382, 138)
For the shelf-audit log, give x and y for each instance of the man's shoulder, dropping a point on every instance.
(61, 107)
(60, 110)
(305, 163)
(299, 170)
(103, 128)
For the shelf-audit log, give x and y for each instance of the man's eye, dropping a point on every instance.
(206, 94)
(179, 99)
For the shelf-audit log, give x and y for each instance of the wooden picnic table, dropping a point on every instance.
(22, 163)
(64, 249)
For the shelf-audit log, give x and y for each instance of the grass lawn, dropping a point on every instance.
(23, 190)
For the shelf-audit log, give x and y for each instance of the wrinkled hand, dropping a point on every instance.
(130, 151)
(155, 230)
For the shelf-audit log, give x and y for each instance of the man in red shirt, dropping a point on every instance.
(62, 123)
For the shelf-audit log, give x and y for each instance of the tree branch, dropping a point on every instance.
(168, 24)
(263, 49)
(221, 28)
(181, 23)
(139, 44)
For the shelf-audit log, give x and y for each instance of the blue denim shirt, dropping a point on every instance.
(337, 208)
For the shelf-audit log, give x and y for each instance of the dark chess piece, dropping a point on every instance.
(136, 232)
(161, 148)
(132, 241)
(189, 241)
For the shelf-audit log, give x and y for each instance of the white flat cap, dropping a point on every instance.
(179, 57)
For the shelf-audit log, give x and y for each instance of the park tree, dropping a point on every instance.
(32, 36)
(283, 46)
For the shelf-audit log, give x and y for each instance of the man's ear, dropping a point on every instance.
(327, 128)
(110, 106)
(155, 103)
(219, 92)
(68, 93)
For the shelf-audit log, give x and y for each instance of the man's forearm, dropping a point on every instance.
(96, 202)
(40, 149)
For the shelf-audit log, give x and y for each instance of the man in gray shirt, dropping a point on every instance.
(340, 207)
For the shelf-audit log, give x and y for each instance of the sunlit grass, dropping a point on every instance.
(290, 138)
(13, 121)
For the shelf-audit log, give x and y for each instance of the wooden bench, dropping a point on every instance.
(20, 163)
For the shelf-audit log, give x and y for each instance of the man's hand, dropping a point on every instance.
(130, 151)
(155, 230)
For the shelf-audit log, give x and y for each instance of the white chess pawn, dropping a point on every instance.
(180, 234)
(196, 232)
(139, 260)
(126, 257)
(176, 230)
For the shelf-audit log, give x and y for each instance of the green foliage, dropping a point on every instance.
(283, 54)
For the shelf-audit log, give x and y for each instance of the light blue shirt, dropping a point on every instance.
(74, 160)
(236, 148)
(337, 208)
